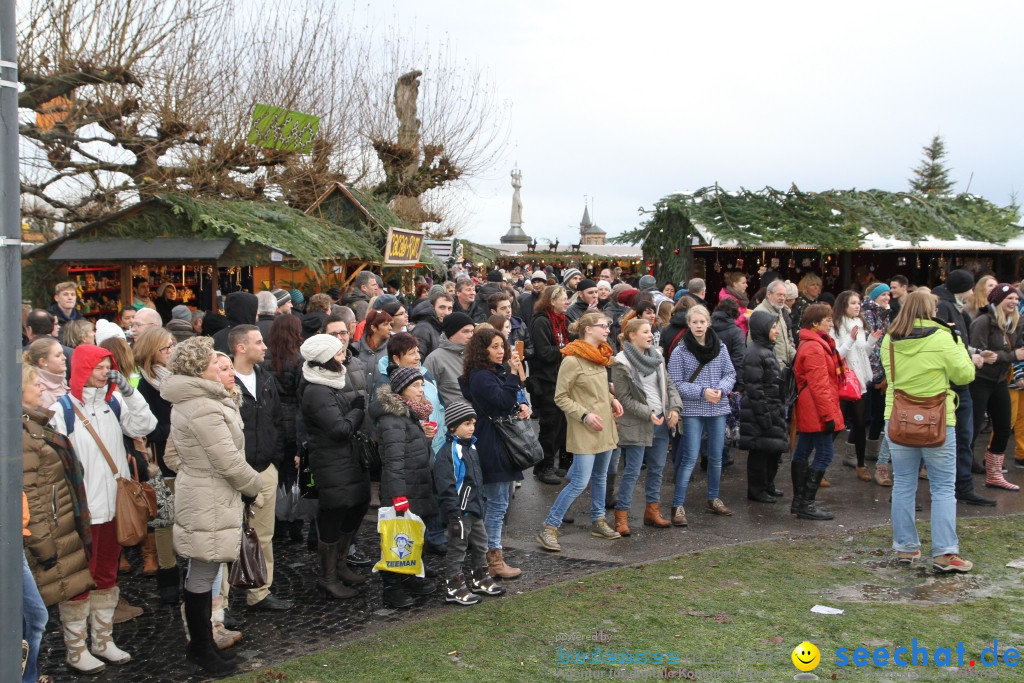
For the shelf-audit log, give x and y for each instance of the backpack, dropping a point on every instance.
(69, 411)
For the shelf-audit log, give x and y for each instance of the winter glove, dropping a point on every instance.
(830, 426)
(122, 383)
(50, 562)
(401, 504)
(358, 403)
(248, 500)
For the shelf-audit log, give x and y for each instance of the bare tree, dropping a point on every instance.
(124, 98)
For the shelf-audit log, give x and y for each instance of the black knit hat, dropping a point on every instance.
(453, 322)
(457, 412)
(959, 281)
(495, 276)
(402, 376)
(585, 284)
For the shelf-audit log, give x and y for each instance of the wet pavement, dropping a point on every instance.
(156, 639)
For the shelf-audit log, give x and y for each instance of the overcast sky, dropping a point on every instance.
(627, 102)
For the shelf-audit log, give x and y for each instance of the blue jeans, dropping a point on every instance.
(435, 530)
(820, 443)
(693, 431)
(34, 618)
(941, 462)
(884, 457)
(495, 506)
(586, 468)
(655, 466)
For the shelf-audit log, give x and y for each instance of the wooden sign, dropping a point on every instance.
(403, 247)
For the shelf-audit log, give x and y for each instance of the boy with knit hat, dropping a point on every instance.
(457, 484)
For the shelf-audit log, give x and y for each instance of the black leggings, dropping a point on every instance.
(853, 416)
(994, 398)
(333, 522)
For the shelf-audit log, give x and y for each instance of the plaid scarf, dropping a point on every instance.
(75, 477)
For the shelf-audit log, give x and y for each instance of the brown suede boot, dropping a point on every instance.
(496, 565)
(149, 560)
(622, 522)
(652, 517)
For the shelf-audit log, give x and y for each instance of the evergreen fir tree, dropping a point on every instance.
(932, 176)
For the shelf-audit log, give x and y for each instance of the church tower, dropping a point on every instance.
(589, 232)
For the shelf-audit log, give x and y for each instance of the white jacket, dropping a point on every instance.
(136, 421)
(855, 353)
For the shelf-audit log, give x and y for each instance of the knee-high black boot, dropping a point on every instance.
(798, 472)
(812, 479)
(201, 649)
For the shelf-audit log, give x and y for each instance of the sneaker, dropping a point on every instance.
(908, 558)
(601, 529)
(548, 538)
(951, 563)
(717, 507)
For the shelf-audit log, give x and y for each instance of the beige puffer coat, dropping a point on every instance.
(206, 430)
(52, 519)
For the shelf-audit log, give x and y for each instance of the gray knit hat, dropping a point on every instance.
(181, 312)
(282, 296)
(402, 376)
(569, 274)
(647, 283)
(457, 412)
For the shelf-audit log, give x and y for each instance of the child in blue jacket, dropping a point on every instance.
(457, 483)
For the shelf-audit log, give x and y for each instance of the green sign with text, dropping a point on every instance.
(279, 128)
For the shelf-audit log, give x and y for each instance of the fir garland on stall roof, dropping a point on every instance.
(834, 220)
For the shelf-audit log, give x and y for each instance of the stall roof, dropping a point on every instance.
(156, 249)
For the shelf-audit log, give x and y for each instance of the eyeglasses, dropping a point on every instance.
(339, 335)
(604, 325)
(169, 346)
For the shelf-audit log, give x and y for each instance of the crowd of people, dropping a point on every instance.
(225, 410)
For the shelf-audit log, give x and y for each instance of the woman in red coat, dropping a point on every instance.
(817, 370)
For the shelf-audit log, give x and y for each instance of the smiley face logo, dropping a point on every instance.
(806, 656)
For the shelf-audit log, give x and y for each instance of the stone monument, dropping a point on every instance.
(515, 233)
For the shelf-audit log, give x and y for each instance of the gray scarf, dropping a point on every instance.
(646, 362)
(160, 373)
(323, 376)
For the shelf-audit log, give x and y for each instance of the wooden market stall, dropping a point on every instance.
(206, 247)
(848, 237)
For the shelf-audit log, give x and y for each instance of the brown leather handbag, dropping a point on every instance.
(250, 569)
(136, 500)
(917, 421)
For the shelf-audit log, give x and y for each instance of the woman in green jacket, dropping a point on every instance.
(926, 358)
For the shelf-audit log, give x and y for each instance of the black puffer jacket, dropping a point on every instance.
(763, 425)
(732, 336)
(452, 495)
(405, 452)
(240, 309)
(427, 328)
(330, 423)
(261, 417)
(676, 325)
(946, 311)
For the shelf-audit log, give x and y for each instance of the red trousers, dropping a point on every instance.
(106, 552)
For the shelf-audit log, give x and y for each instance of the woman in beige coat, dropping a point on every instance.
(583, 394)
(206, 430)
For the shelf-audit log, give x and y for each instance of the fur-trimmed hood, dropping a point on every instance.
(389, 402)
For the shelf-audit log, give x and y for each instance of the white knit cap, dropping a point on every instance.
(106, 330)
(320, 347)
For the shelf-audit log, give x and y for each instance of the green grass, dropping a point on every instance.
(753, 599)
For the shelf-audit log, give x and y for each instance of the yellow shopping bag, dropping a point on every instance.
(401, 542)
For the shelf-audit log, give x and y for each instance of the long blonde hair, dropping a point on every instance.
(1009, 324)
(918, 305)
(979, 300)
